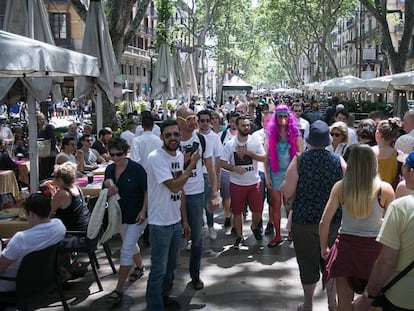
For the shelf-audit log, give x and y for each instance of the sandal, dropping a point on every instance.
(274, 242)
(115, 297)
(136, 274)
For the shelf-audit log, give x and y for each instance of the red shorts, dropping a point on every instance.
(252, 195)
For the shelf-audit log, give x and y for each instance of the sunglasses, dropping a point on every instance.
(204, 120)
(189, 118)
(168, 135)
(119, 154)
(336, 134)
(297, 110)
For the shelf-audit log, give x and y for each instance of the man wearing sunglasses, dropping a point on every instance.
(167, 216)
(204, 127)
(194, 188)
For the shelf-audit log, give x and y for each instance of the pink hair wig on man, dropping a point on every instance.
(273, 133)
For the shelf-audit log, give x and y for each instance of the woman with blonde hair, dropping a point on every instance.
(385, 135)
(340, 138)
(362, 196)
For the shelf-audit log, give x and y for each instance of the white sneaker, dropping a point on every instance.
(188, 246)
(212, 233)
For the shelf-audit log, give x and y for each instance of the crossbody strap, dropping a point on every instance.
(395, 279)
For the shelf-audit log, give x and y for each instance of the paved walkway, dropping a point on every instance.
(253, 278)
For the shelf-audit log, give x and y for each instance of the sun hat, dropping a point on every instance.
(319, 135)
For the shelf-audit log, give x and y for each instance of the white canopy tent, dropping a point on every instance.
(43, 60)
(400, 81)
(340, 84)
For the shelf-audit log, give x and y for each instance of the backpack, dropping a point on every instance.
(223, 134)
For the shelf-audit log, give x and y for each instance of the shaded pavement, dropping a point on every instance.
(254, 277)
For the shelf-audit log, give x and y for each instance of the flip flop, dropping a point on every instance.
(115, 297)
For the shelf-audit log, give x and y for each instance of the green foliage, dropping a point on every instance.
(165, 9)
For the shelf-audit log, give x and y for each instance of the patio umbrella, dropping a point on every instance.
(179, 74)
(190, 77)
(29, 18)
(44, 60)
(97, 42)
(340, 84)
(164, 81)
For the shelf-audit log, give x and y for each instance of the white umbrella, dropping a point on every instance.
(340, 84)
(29, 18)
(293, 91)
(179, 74)
(97, 42)
(164, 79)
(43, 59)
(190, 77)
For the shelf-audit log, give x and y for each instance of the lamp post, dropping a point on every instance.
(151, 51)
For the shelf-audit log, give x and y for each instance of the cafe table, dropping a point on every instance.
(8, 182)
(93, 188)
(23, 167)
(101, 169)
(9, 225)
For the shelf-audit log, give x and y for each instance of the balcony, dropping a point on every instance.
(132, 50)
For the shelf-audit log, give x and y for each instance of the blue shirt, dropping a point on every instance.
(132, 185)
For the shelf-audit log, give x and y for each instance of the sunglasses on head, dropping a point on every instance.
(168, 135)
(116, 154)
(189, 118)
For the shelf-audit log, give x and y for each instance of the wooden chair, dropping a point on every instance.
(36, 278)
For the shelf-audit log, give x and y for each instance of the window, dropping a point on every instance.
(144, 72)
(123, 69)
(58, 24)
(131, 70)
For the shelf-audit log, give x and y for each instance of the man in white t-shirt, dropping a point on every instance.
(297, 109)
(142, 145)
(129, 133)
(240, 157)
(405, 143)
(204, 122)
(194, 188)
(43, 233)
(167, 216)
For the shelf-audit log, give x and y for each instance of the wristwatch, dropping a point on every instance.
(366, 294)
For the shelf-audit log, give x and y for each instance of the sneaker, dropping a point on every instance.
(239, 242)
(212, 233)
(170, 304)
(188, 246)
(227, 223)
(257, 234)
(269, 229)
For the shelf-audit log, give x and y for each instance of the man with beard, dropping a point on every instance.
(190, 143)
(240, 157)
(99, 145)
(167, 216)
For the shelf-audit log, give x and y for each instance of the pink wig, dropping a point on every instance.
(273, 133)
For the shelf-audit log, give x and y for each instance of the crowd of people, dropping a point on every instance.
(338, 185)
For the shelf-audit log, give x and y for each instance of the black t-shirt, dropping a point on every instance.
(98, 146)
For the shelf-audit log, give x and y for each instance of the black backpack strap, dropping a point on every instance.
(203, 143)
(223, 135)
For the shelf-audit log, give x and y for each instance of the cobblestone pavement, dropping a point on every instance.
(254, 277)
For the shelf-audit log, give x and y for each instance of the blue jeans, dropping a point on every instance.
(207, 193)
(195, 207)
(166, 244)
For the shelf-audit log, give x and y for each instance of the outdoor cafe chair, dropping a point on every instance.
(36, 278)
